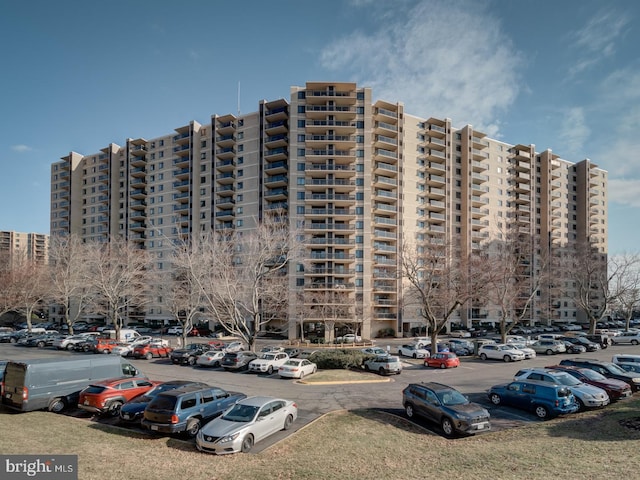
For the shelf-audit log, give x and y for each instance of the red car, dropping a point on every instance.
(104, 345)
(107, 397)
(151, 350)
(442, 360)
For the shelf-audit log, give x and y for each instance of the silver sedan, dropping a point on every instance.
(246, 423)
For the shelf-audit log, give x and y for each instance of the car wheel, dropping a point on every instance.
(247, 444)
(40, 345)
(193, 427)
(549, 352)
(301, 375)
(287, 422)
(581, 407)
(541, 412)
(408, 409)
(57, 405)
(149, 356)
(270, 370)
(13, 340)
(105, 351)
(114, 408)
(216, 365)
(70, 347)
(415, 355)
(483, 356)
(191, 361)
(366, 367)
(442, 365)
(495, 399)
(381, 371)
(506, 358)
(634, 342)
(314, 370)
(447, 427)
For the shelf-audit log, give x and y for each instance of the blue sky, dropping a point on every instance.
(80, 74)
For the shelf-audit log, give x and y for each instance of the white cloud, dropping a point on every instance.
(574, 131)
(597, 39)
(440, 58)
(624, 192)
(21, 148)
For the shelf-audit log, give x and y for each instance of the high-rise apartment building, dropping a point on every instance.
(24, 246)
(358, 177)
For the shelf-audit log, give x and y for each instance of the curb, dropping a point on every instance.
(345, 382)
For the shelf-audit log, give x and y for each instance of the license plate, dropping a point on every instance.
(86, 402)
(125, 416)
(154, 427)
(480, 426)
(8, 395)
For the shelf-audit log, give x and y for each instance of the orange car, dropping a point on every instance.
(107, 397)
(442, 360)
(104, 345)
(151, 350)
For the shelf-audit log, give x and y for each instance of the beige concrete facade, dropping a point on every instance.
(24, 246)
(357, 176)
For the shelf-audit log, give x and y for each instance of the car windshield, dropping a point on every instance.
(592, 375)
(240, 413)
(613, 368)
(452, 397)
(566, 379)
(293, 363)
(268, 356)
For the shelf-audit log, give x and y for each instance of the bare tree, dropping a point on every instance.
(29, 286)
(243, 275)
(440, 282)
(331, 309)
(122, 279)
(514, 279)
(625, 285)
(590, 278)
(181, 291)
(70, 278)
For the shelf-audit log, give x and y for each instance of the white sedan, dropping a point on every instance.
(413, 351)
(246, 423)
(349, 338)
(297, 368)
(459, 334)
(212, 358)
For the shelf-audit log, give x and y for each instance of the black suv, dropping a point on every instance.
(189, 354)
(446, 406)
(607, 369)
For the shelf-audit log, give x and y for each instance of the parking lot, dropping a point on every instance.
(473, 378)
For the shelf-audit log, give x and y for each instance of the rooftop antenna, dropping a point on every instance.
(238, 97)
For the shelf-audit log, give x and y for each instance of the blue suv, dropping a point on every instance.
(543, 399)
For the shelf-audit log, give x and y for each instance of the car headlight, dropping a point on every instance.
(636, 380)
(229, 438)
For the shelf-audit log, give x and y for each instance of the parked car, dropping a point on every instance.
(292, 351)
(246, 423)
(349, 338)
(374, 351)
(384, 365)
(630, 367)
(297, 368)
(548, 346)
(442, 360)
(108, 396)
(237, 360)
(186, 409)
(543, 399)
(573, 347)
(68, 342)
(461, 347)
(632, 337)
(307, 354)
(133, 410)
(616, 389)
(584, 341)
(103, 345)
(602, 339)
(189, 354)
(445, 406)
(151, 350)
(212, 358)
(500, 351)
(587, 396)
(175, 330)
(268, 362)
(413, 351)
(44, 340)
(608, 369)
(527, 350)
(619, 359)
(126, 349)
(459, 334)
(234, 347)
(271, 349)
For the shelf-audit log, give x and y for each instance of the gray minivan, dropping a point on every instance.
(54, 383)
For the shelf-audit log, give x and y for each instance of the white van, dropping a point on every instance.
(126, 334)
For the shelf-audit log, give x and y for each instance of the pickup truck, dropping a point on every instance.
(186, 409)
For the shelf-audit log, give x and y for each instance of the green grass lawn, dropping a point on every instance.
(348, 445)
